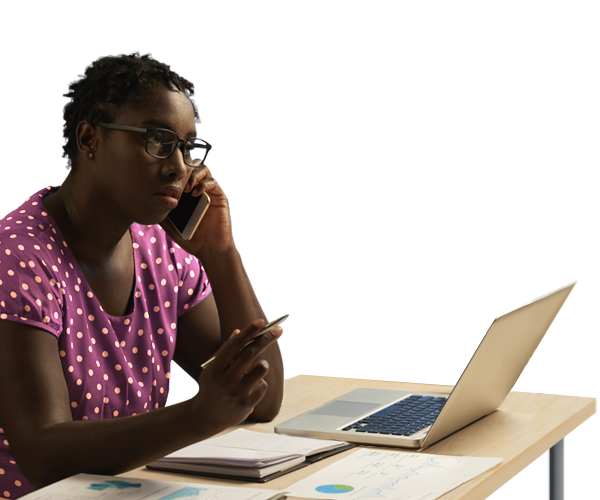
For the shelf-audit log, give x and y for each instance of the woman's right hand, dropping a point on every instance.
(233, 383)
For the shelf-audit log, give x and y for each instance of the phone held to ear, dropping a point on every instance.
(188, 213)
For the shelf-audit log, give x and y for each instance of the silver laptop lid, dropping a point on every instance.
(497, 363)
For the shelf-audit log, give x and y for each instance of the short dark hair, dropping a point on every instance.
(111, 82)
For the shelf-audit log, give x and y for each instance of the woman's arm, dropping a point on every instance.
(48, 445)
(231, 304)
(214, 245)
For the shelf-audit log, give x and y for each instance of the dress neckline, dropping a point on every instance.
(78, 270)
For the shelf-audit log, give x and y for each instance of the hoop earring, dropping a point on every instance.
(91, 155)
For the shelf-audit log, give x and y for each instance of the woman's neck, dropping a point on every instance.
(93, 236)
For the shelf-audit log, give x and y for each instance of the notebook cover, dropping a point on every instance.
(309, 460)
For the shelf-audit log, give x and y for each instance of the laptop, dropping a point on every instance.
(416, 420)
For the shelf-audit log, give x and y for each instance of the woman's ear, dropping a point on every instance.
(86, 139)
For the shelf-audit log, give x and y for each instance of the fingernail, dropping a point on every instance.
(258, 323)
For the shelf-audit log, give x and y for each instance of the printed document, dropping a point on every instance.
(91, 486)
(389, 475)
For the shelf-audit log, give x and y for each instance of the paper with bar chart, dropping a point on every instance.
(88, 487)
(389, 475)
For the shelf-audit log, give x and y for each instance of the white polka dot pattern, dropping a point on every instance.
(113, 366)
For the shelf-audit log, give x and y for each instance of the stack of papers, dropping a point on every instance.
(367, 473)
(247, 454)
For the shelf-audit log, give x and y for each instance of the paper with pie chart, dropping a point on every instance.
(377, 474)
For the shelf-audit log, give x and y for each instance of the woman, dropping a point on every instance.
(96, 300)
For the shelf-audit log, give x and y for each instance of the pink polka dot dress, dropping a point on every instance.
(113, 366)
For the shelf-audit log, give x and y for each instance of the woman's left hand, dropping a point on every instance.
(214, 233)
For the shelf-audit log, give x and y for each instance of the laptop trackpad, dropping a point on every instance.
(345, 409)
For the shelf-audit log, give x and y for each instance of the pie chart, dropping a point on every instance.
(334, 488)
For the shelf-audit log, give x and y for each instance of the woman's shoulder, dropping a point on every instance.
(29, 227)
(153, 241)
(163, 261)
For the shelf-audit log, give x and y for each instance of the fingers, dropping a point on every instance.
(249, 395)
(235, 378)
(243, 339)
(258, 392)
(253, 379)
(201, 181)
(197, 175)
(227, 353)
(227, 401)
(250, 354)
(241, 352)
(209, 186)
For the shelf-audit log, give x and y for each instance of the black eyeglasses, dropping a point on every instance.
(161, 142)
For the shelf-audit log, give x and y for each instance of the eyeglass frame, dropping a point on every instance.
(146, 131)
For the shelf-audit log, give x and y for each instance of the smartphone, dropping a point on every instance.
(188, 213)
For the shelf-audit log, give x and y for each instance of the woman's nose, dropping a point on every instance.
(174, 165)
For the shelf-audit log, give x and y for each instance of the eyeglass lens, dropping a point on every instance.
(161, 143)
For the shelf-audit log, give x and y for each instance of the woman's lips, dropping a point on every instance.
(168, 201)
(168, 196)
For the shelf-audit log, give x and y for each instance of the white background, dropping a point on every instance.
(387, 26)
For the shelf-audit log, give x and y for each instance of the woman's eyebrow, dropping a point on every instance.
(161, 124)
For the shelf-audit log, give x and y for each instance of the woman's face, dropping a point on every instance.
(134, 185)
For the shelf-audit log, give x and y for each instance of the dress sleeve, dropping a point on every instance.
(30, 291)
(193, 281)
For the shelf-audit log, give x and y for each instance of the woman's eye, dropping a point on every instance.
(156, 138)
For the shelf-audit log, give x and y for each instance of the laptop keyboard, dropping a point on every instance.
(404, 418)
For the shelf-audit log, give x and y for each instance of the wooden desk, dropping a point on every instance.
(521, 430)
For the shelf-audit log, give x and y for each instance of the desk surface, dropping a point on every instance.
(520, 431)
